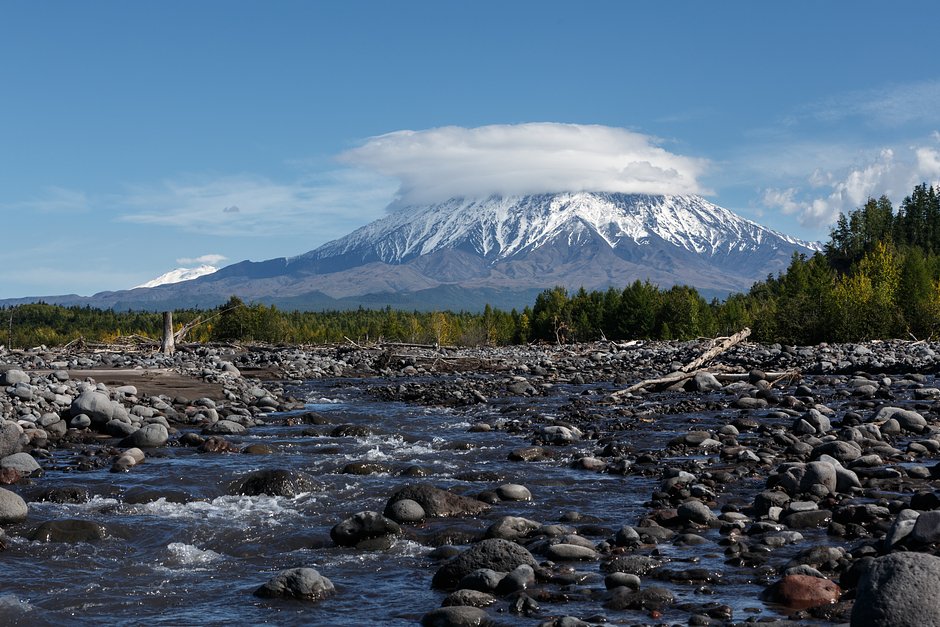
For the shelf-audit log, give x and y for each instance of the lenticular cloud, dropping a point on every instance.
(441, 163)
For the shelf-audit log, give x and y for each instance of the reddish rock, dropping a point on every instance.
(9, 476)
(803, 591)
(215, 444)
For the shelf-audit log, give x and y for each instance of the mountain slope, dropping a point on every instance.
(499, 228)
(500, 250)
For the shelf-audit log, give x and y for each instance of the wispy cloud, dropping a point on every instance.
(53, 200)
(256, 206)
(888, 106)
(441, 163)
(211, 260)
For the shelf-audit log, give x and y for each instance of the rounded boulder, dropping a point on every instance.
(437, 503)
(148, 436)
(297, 583)
(898, 590)
(13, 508)
(275, 482)
(366, 530)
(96, 405)
(494, 553)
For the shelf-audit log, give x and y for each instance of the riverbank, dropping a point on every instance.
(765, 487)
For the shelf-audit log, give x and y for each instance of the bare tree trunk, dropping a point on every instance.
(168, 346)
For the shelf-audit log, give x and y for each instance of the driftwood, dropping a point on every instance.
(413, 345)
(674, 378)
(713, 352)
(691, 369)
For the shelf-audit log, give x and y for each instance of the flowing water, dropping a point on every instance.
(182, 551)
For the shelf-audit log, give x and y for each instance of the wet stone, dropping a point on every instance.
(70, 531)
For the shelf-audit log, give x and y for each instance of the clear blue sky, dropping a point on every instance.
(137, 134)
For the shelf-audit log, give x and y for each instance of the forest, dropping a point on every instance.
(877, 277)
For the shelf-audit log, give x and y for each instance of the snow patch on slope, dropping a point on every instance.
(498, 228)
(179, 275)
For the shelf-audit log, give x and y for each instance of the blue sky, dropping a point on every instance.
(136, 137)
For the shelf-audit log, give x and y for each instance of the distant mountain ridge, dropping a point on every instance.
(503, 249)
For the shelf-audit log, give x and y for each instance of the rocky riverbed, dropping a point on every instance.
(536, 485)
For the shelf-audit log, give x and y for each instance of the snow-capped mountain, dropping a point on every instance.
(464, 253)
(178, 275)
(501, 228)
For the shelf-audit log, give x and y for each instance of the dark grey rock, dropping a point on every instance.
(438, 503)
(615, 580)
(276, 482)
(819, 473)
(514, 492)
(297, 583)
(927, 528)
(652, 598)
(148, 436)
(456, 616)
(521, 578)
(405, 511)
(482, 580)
(70, 531)
(899, 590)
(493, 553)
(470, 598)
(512, 528)
(570, 552)
(696, 512)
(366, 530)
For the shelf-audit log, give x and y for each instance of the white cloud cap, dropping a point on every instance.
(442, 163)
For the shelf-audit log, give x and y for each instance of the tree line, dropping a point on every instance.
(877, 277)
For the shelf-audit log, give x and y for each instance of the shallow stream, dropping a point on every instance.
(182, 551)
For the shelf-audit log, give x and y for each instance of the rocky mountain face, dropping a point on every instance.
(464, 253)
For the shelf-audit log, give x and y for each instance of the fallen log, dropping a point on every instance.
(713, 352)
(661, 383)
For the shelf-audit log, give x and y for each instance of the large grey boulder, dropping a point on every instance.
(899, 590)
(12, 507)
(23, 463)
(12, 439)
(819, 473)
(14, 376)
(148, 436)
(96, 405)
(494, 553)
(907, 419)
(297, 583)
